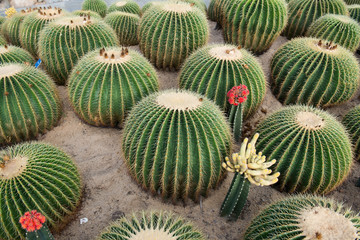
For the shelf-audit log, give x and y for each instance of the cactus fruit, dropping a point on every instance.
(128, 6)
(152, 225)
(32, 25)
(13, 54)
(75, 36)
(174, 144)
(86, 13)
(170, 32)
(214, 69)
(36, 176)
(312, 149)
(339, 29)
(105, 84)
(305, 217)
(30, 104)
(302, 13)
(315, 73)
(98, 6)
(351, 122)
(354, 11)
(125, 26)
(255, 24)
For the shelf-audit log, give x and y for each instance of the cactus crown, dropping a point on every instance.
(309, 120)
(178, 100)
(225, 52)
(9, 70)
(75, 21)
(50, 13)
(11, 168)
(325, 47)
(178, 7)
(121, 3)
(113, 56)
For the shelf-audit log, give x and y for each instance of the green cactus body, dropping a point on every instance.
(74, 37)
(86, 13)
(214, 69)
(128, 6)
(11, 28)
(125, 26)
(41, 234)
(2, 20)
(30, 103)
(13, 54)
(351, 2)
(152, 225)
(352, 123)
(98, 6)
(315, 73)
(104, 86)
(304, 217)
(174, 144)
(170, 32)
(149, 5)
(255, 24)
(354, 11)
(215, 10)
(302, 13)
(32, 25)
(312, 149)
(36, 176)
(339, 29)
(2, 40)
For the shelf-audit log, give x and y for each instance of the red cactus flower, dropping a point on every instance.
(32, 221)
(238, 94)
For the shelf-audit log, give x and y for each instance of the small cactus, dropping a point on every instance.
(152, 225)
(13, 54)
(36, 176)
(305, 217)
(312, 149)
(34, 224)
(106, 83)
(351, 122)
(75, 36)
(125, 26)
(316, 73)
(86, 13)
(98, 6)
(354, 11)
(128, 6)
(174, 143)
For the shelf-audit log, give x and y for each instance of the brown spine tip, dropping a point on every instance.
(148, 74)
(27, 63)
(319, 43)
(6, 93)
(77, 72)
(30, 85)
(6, 46)
(112, 56)
(200, 99)
(227, 51)
(122, 52)
(101, 52)
(81, 15)
(246, 66)
(88, 16)
(192, 4)
(85, 19)
(106, 56)
(50, 15)
(126, 51)
(71, 21)
(239, 47)
(334, 47)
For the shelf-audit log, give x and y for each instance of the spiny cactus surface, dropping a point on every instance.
(2, 40)
(198, 3)
(350, 2)
(98, 6)
(128, 6)
(125, 26)
(354, 11)
(13, 54)
(11, 27)
(352, 123)
(86, 13)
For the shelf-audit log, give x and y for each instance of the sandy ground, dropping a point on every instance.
(109, 192)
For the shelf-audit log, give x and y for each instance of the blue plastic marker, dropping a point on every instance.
(37, 64)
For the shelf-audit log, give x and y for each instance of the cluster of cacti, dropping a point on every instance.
(74, 37)
(305, 217)
(214, 69)
(302, 13)
(128, 6)
(86, 13)
(312, 149)
(125, 26)
(13, 54)
(34, 224)
(315, 73)
(105, 84)
(170, 32)
(174, 143)
(36, 176)
(339, 29)
(30, 103)
(351, 122)
(354, 11)
(152, 225)
(98, 6)
(254, 25)
(33, 24)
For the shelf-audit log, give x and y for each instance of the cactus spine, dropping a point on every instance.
(161, 155)
(105, 84)
(215, 10)
(171, 23)
(11, 27)
(128, 6)
(13, 54)
(125, 26)
(352, 123)
(351, 2)
(152, 225)
(98, 6)
(86, 13)
(315, 73)
(2, 40)
(304, 217)
(354, 11)
(75, 36)
(312, 149)
(36, 176)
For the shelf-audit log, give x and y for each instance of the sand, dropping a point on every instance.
(110, 192)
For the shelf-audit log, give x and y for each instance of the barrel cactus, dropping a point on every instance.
(305, 217)
(12, 54)
(352, 123)
(11, 27)
(247, 23)
(125, 26)
(339, 29)
(128, 6)
(36, 176)
(302, 13)
(350, 2)
(105, 84)
(161, 154)
(354, 11)
(86, 13)
(315, 73)
(32, 25)
(215, 10)
(76, 37)
(30, 103)
(170, 32)
(98, 6)
(312, 149)
(214, 69)
(152, 225)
